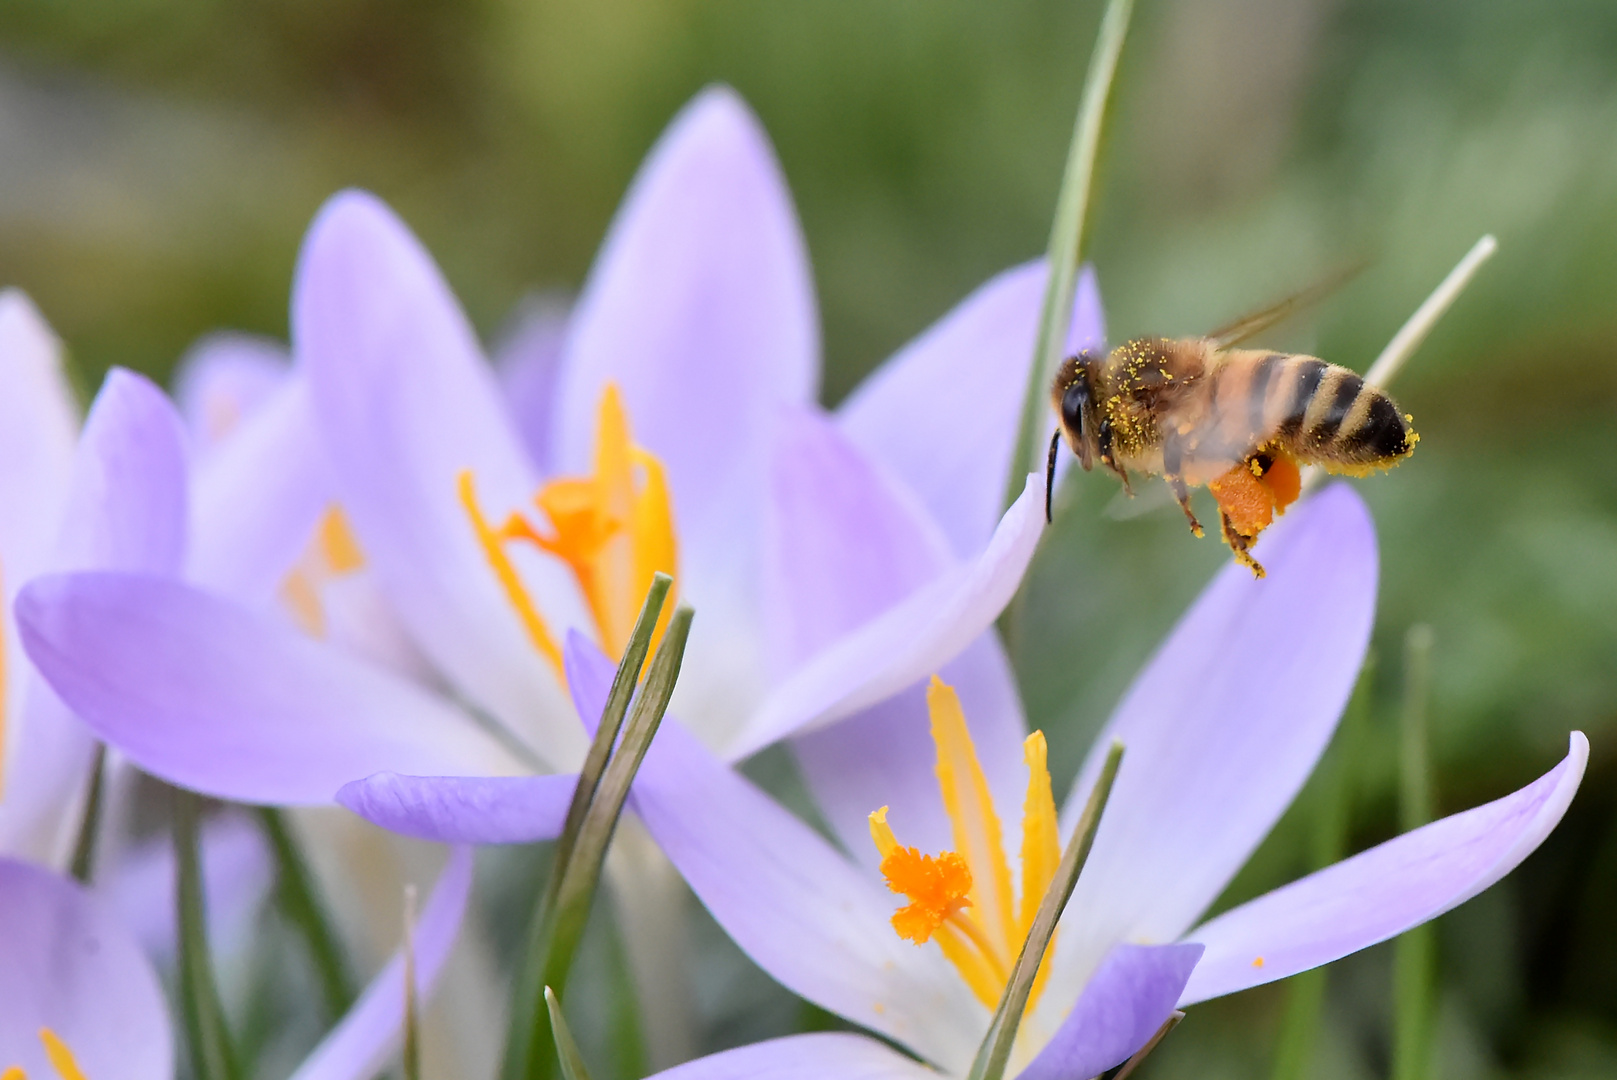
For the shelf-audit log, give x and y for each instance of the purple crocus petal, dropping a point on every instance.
(127, 502)
(223, 379)
(843, 540)
(701, 308)
(358, 1046)
(68, 965)
(1382, 892)
(1130, 996)
(1087, 333)
(464, 810)
(1221, 729)
(885, 756)
(257, 497)
(799, 908)
(213, 697)
(942, 413)
(528, 362)
(822, 1056)
(237, 872)
(910, 641)
(406, 404)
(38, 428)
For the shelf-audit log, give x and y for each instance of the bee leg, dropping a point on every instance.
(1239, 542)
(1182, 494)
(1172, 466)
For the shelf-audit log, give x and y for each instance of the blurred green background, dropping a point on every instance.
(159, 160)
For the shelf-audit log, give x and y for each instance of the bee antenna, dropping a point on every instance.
(1050, 473)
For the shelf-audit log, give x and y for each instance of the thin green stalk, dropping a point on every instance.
(1064, 253)
(412, 1005)
(1145, 1051)
(300, 902)
(212, 1057)
(572, 1061)
(995, 1052)
(527, 1045)
(1415, 952)
(90, 824)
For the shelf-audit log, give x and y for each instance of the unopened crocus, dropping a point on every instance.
(79, 999)
(1221, 729)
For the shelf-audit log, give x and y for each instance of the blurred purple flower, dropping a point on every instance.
(836, 560)
(73, 979)
(1221, 728)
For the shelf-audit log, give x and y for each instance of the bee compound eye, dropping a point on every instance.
(1074, 404)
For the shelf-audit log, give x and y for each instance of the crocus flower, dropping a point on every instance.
(78, 997)
(1221, 729)
(681, 405)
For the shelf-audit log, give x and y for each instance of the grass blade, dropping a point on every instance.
(1066, 241)
(527, 1051)
(995, 1052)
(1415, 952)
(572, 1062)
(301, 904)
(90, 824)
(412, 1006)
(212, 1057)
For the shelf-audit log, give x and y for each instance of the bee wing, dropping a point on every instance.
(1254, 323)
(1238, 411)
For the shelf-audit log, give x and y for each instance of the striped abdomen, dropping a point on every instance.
(1316, 412)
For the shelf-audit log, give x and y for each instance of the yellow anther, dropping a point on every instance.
(614, 529)
(332, 553)
(14, 1073)
(983, 942)
(61, 1058)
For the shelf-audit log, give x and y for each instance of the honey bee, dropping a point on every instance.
(1241, 422)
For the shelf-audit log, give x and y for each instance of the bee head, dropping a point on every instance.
(1073, 396)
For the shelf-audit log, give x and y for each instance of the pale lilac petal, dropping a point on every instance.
(237, 872)
(125, 509)
(360, 1045)
(257, 497)
(701, 308)
(223, 379)
(1130, 996)
(464, 810)
(1088, 328)
(802, 911)
(885, 756)
(406, 403)
(942, 413)
(528, 361)
(822, 1056)
(1382, 892)
(213, 697)
(126, 506)
(843, 540)
(38, 427)
(1221, 729)
(66, 963)
(910, 641)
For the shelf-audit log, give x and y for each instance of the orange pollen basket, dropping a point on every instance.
(965, 899)
(614, 530)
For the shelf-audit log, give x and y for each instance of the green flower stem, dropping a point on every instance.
(412, 1005)
(603, 784)
(212, 1057)
(300, 902)
(1145, 1051)
(1415, 952)
(1066, 239)
(995, 1052)
(83, 864)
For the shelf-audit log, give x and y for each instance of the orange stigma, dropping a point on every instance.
(614, 530)
(966, 899)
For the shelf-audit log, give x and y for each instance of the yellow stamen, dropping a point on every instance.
(14, 1073)
(942, 888)
(614, 529)
(493, 544)
(332, 552)
(60, 1056)
(970, 806)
